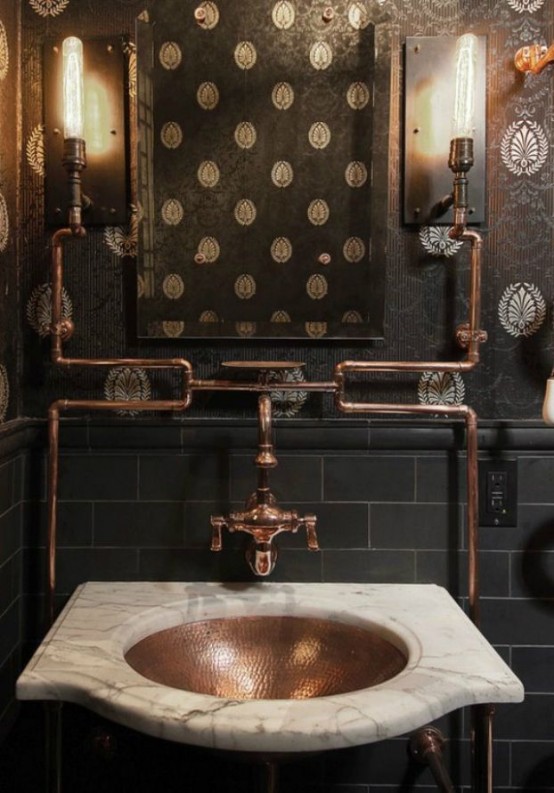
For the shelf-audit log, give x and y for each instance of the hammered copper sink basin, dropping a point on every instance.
(267, 657)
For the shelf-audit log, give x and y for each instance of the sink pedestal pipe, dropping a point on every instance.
(426, 747)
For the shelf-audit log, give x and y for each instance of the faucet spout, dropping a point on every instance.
(261, 556)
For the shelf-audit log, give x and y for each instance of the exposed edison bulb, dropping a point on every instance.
(548, 404)
(464, 96)
(73, 92)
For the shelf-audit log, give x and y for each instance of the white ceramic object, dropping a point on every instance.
(450, 664)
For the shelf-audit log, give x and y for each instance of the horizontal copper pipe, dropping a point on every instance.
(122, 404)
(237, 385)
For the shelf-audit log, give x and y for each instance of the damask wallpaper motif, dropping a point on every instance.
(425, 277)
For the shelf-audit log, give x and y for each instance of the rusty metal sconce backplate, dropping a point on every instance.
(106, 176)
(428, 103)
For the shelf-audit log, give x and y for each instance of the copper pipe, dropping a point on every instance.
(481, 741)
(260, 387)
(60, 328)
(51, 538)
(472, 522)
(265, 458)
(53, 745)
(426, 746)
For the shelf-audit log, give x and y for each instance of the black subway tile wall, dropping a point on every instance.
(11, 555)
(390, 507)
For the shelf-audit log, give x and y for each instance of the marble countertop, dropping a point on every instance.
(450, 664)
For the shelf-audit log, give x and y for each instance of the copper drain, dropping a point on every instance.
(267, 657)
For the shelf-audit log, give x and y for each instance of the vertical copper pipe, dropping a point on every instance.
(53, 747)
(51, 538)
(476, 242)
(482, 744)
(472, 475)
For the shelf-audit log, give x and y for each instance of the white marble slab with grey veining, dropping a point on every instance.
(450, 663)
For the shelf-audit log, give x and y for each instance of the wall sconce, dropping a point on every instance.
(86, 99)
(444, 73)
(534, 58)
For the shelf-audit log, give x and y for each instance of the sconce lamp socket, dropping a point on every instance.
(74, 161)
(461, 155)
(74, 154)
(460, 162)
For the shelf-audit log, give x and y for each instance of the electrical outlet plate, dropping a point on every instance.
(498, 492)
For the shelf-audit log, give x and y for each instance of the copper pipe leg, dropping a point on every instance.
(426, 747)
(481, 738)
(270, 777)
(53, 746)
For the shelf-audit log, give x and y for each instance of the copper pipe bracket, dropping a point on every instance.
(63, 329)
(425, 740)
(465, 336)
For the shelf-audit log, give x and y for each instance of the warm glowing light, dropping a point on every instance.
(464, 98)
(73, 93)
(548, 404)
(97, 117)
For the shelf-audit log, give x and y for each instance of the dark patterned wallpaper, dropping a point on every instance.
(425, 275)
(9, 143)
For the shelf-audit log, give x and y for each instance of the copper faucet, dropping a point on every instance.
(262, 518)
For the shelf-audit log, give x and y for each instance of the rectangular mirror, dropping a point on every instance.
(262, 170)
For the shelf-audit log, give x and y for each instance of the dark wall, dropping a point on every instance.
(14, 470)
(361, 478)
(424, 293)
(10, 143)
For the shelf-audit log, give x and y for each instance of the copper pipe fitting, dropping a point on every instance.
(534, 58)
(426, 746)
